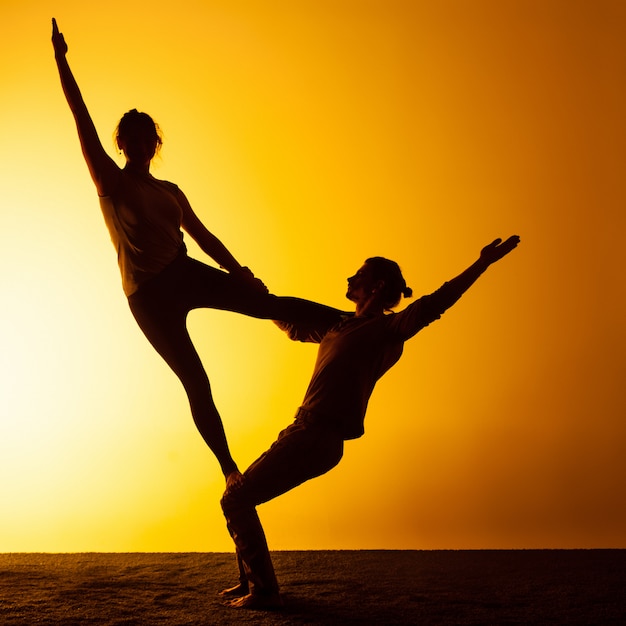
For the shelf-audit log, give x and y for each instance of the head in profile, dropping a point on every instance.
(378, 279)
(139, 137)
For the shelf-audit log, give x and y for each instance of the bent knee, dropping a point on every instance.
(239, 498)
(225, 502)
(232, 501)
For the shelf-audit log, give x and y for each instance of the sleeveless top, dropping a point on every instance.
(144, 217)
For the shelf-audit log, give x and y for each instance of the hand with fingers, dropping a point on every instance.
(58, 41)
(498, 248)
(251, 280)
(234, 480)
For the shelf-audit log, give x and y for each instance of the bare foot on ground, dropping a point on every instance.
(257, 602)
(235, 592)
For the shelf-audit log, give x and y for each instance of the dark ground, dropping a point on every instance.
(501, 587)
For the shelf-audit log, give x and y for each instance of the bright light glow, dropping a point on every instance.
(309, 136)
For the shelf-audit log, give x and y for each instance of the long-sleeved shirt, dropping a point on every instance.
(355, 352)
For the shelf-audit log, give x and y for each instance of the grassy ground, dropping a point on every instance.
(320, 587)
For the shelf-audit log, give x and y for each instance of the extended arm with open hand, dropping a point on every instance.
(104, 171)
(489, 254)
(429, 308)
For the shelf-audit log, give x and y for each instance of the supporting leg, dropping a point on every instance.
(302, 451)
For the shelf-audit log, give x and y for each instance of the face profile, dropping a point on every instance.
(377, 286)
(363, 285)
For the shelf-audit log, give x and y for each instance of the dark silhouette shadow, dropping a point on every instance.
(145, 218)
(354, 352)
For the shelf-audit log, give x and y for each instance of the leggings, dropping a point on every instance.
(304, 450)
(161, 306)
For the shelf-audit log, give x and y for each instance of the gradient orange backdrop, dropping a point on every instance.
(308, 136)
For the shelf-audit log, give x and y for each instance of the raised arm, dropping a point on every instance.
(488, 255)
(104, 171)
(430, 308)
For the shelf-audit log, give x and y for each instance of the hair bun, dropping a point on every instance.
(407, 292)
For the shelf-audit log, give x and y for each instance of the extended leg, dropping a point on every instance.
(202, 286)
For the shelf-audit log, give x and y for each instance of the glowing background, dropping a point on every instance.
(308, 136)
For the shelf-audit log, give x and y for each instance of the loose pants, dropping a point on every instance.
(304, 450)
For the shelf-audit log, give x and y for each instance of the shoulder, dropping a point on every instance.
(171, 186)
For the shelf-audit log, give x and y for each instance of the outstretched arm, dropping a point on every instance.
(104, 171)
(488, 255)
(430, 308)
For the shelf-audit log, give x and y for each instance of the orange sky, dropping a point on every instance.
(309, 136)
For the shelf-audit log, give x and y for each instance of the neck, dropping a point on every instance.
(369, 308)
(138, 168)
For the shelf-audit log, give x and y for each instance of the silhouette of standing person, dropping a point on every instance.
(144, 217)
(354, 352)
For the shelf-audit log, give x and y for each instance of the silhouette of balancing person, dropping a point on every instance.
(144, 217)
(354, 352)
